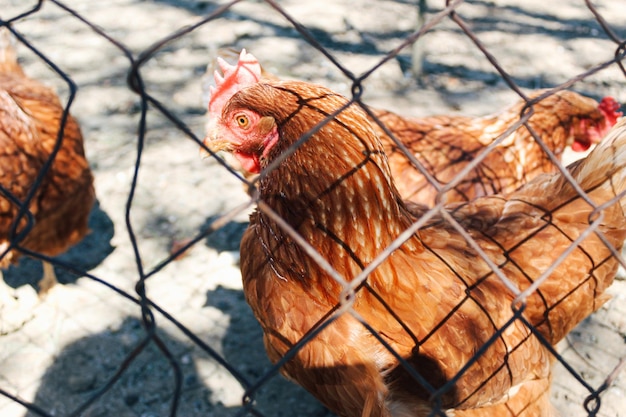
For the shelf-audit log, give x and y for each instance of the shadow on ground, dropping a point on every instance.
(227, 238)
(146, 387)
(84, 256)
(243, 347)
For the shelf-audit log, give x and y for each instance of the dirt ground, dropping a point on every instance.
(61, 351)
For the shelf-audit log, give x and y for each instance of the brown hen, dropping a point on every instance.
(446, 145)
(59, 203)
(405, 317)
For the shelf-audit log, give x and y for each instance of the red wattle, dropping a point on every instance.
(580, 147)
(249, 162)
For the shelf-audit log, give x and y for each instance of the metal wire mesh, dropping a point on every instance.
(154, 357)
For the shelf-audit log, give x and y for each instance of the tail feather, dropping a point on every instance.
(8, 53)
(601, 175)
(547, 214)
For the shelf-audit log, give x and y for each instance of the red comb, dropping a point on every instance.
(246, 72)
(609, 107)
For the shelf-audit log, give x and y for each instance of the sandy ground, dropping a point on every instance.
(61, 351)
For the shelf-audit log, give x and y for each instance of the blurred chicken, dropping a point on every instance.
(57, 212)
(432, 299)
(445, 145)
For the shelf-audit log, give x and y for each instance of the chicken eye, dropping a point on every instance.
(242, 121)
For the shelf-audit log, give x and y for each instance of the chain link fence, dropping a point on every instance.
(151, 319)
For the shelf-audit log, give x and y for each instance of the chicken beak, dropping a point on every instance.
(214, 146)
(214, 143)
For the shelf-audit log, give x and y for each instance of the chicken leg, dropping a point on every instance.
(48, 280)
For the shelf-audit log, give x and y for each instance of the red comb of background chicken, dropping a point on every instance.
(246, 72)
(593, 131)
(610, 108)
